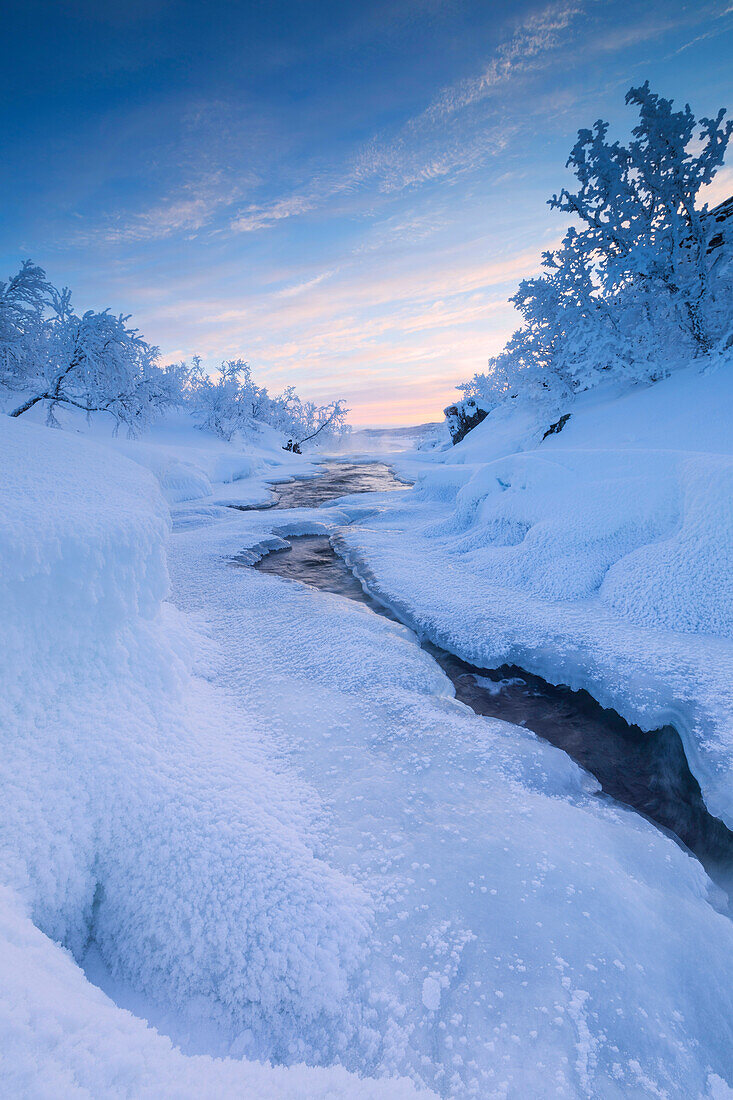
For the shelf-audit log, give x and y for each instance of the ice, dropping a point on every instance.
(495, 687)
(256, 816)
(600, 558)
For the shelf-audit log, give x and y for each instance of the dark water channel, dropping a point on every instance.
(338, 480)
(647, 771)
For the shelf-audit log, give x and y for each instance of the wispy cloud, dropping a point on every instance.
(256, 217)
(432, 145)
(297, 289)
(379, 328)
(186, 211)
(712, 32)
(426, 148)
(536, 38)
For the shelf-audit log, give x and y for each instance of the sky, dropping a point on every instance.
(343, 193)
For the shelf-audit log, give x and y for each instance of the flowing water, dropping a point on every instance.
(338, 480)
(647, 771)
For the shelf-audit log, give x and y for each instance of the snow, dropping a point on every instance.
(431, 994)
(559, 929)
(193, 465)
(62, 1037)
(140, 811)
(599, 557)
(251, 845)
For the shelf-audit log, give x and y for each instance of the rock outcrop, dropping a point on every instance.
(463, 416)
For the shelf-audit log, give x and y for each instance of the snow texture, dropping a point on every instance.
(257, 818)
(140, 813)
(600, 557)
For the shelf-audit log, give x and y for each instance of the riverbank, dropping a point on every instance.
(506, 826)
(290, 843)
(645, 770)
(599, 557)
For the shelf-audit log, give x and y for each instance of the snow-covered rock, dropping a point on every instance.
(464, 416)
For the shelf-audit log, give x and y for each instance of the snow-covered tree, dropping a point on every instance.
(227, 403)
(572, 333)
(635, 284)
(232, 402)
(94, 362)
(327, 421)
(638, 206)
(23, 302)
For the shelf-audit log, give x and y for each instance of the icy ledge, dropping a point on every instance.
(651, 678)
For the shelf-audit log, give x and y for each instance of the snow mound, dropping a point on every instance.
(140, 814)
(600, 557)
(650, 533)
(61, 1037)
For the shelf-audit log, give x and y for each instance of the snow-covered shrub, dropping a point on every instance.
(94, 362)
(231, 402)
(635, 285)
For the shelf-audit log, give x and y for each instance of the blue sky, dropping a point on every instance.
(343, 193)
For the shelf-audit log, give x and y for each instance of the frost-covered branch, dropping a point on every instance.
(94, 362)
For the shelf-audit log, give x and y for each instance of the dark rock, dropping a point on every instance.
(462, 417)
(557, 427)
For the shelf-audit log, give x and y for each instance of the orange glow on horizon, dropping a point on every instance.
(415, 404)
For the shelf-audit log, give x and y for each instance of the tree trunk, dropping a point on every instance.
(28, 404)
(696, 327)
(315, 433)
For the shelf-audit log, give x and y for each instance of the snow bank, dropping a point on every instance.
(141, 815)
(601, 557)
(189, 463)
(62, 1037)
(650, 533)
(192, 465)
(530, 939)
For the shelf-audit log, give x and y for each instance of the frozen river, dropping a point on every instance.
(647, 771)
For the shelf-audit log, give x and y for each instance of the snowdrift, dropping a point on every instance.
(601, 557)
(530, 938)
(140, 817)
